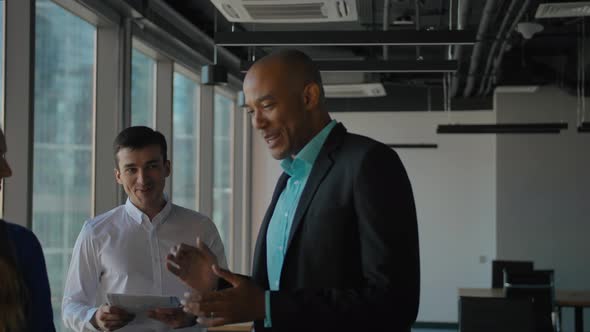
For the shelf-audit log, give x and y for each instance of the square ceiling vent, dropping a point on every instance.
(563, 9)
(287, 11)
(363, 90)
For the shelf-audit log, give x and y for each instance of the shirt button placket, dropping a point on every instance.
(156, 266)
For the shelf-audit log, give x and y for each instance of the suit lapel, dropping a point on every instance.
(259, 265)
(321, 167)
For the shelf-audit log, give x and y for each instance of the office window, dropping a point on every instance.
(62, 156)
(222, 168)
(143, 89)
(185, 117)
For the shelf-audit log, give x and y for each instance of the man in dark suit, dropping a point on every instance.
(338, 247)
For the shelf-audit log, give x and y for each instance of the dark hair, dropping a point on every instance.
(300, 63)
(16, 301)
(139, 137)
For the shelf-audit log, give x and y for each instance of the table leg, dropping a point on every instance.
(579, 319)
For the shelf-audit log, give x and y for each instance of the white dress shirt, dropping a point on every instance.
(121, 251)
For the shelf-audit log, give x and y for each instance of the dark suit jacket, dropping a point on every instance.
(352, 260)
(20, 247)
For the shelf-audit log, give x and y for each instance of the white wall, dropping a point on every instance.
(544, 190)
(265, 173)
(454, 189)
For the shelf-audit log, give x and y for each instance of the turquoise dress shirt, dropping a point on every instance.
(279, 228)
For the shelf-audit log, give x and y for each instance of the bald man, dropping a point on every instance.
(338, 246)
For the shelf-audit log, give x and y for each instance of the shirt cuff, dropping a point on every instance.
(87, 325)
(267, 320)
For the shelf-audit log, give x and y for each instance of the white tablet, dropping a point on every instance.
(138, 304)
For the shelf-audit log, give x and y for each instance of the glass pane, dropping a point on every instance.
(143, 83)
(222, 168)
(185, 140)
(62, 156)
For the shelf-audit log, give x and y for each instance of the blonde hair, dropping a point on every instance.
(13, 294)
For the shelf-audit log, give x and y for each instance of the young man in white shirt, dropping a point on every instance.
(124, 250)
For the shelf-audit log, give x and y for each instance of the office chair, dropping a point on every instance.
(537, 286)
(498, 267)
(495, 314)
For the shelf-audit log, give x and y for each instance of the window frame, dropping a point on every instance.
(102, 71)
(182, 70)
(141, 47)
(235, 243)
(163, 89)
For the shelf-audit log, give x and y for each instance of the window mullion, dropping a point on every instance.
(19, 101)
(108, 116)
(164, 82)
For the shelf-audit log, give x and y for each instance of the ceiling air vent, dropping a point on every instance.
(563, 9)
(365, 90)
(287, 11)
(517, 88)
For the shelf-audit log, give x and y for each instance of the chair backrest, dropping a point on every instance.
(494, 314)
(536, 286)
(498, 267)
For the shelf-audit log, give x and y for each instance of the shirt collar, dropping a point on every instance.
(137, 215)
(305, 159)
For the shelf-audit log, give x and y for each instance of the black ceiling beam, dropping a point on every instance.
(413, 146)
(376, 66)
(345, 38)
(506, 128)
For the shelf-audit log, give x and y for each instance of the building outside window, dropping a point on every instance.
(185, 110)
(63, 137)
(143, 89)
(222, 168)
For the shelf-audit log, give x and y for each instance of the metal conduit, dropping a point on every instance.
(461, 18)
(385, 27)
(477, 49)
(504, 47)
(417, 21)
(499, 37)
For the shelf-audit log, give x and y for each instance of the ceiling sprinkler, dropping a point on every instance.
(528, 29)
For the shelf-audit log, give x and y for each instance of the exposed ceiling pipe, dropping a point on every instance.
(417, 19)
(460, 10)
(461, 18)
(478, 48)
(501, 35)
(450, 47)
(504, 47)
(385, 26)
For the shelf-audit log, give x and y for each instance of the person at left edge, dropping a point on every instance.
(25, 297)
(124, 249)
